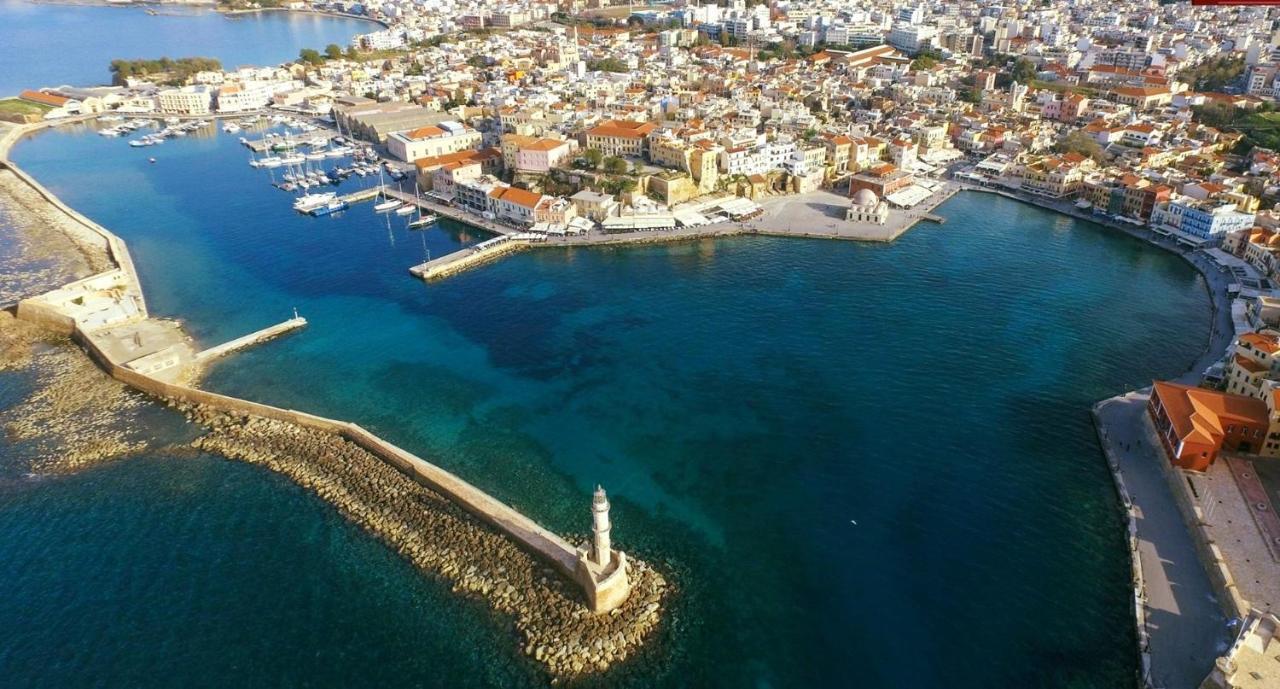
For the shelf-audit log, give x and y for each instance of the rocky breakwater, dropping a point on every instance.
(76, 415)
(556, 628)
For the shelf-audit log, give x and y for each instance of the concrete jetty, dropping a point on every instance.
(251, 339)
(362, 195)
(470, 257)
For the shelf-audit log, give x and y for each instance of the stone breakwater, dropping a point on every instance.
(46, 248)
(556, 628)
(77, 416)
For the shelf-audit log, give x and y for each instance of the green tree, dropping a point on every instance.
(478, 61)
(1023, 71)
(1216, 114)
(615, 165)
(1082, 143)
(1213, 74)
(594, 157)
(925, 60)
(310, 56)
(333, 51)
(609, 64)
(352, 53)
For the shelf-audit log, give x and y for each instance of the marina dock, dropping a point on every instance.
(251, 339)
(362, 195)
(449, 212)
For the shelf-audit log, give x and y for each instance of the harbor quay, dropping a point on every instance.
(579, 608)
(813, 215)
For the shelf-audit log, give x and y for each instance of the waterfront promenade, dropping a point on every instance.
(813, 215)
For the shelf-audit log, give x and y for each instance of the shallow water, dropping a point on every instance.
(50, 45)
(745, 401)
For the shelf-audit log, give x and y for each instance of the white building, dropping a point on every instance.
(247, 96)
(188, 100)
(432, 140)
(912, 38)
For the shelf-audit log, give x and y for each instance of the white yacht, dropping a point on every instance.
(388, 205)
(309, 202)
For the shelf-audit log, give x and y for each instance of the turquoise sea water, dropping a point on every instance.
(743, 400)
(44, 44)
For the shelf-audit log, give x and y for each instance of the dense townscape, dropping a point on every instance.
(577, 122)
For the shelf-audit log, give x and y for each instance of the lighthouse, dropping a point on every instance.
(601, 549)
(600, 569)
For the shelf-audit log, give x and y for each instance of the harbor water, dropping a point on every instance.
(862, 465)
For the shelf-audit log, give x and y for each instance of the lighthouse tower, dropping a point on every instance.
(600, 569)
(601, 550)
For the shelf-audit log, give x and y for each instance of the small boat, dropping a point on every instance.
(310, 202)
(406, 210)
(151, 160)
(388, 205)
(423, 221)
(138, 143)
(294, 159)
(329, 208)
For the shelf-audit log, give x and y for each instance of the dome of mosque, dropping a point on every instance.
(865, 198)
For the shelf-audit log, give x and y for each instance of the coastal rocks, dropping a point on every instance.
(438, 537)
(46, 248)
(17, 341)
(77, 415)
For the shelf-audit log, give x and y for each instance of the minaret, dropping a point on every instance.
(601, 550)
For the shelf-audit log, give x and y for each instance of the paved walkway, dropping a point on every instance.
(1186, 628)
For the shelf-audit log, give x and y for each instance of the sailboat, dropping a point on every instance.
(388, 204)
(421, 220)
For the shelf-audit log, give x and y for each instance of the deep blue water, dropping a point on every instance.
(743, 400)
(51, 45)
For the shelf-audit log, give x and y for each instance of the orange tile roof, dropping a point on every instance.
(44, 98)
(424, 132)
(431, 162)
(545, 145)
(1202, 415)
(1248, 364)
(625, 129)
(520, 197)
(1263, 343)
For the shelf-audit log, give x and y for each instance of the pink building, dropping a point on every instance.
(543, 155)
